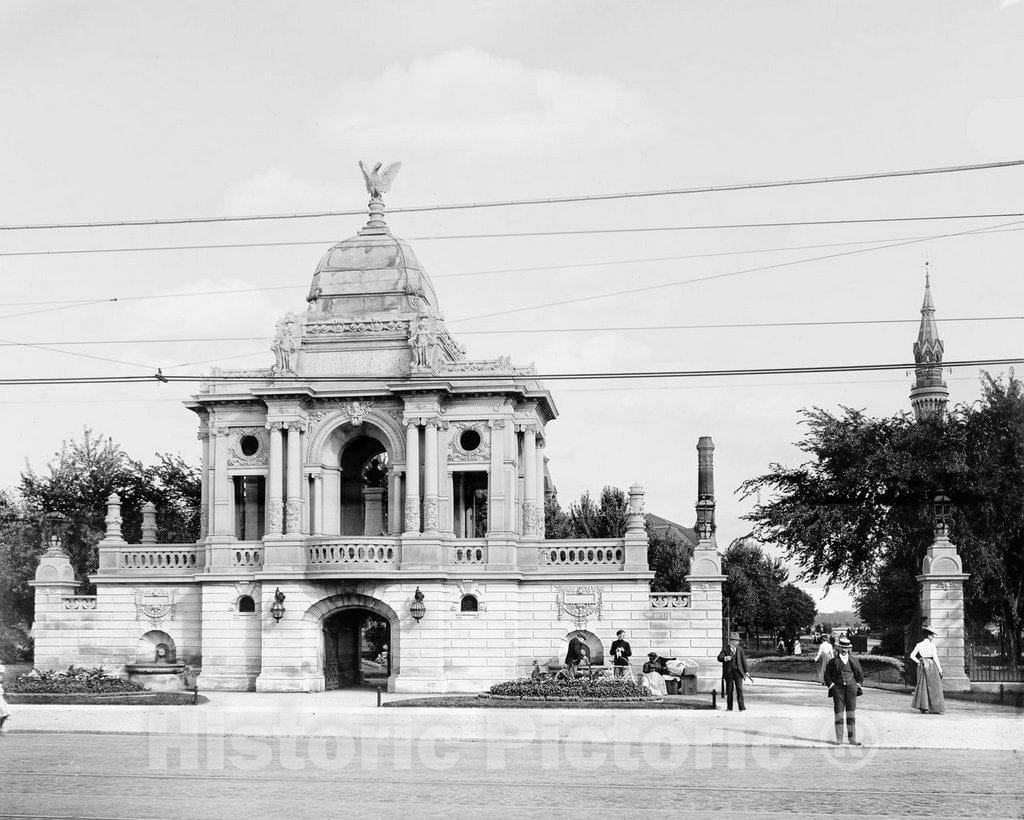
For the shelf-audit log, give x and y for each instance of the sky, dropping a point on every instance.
(123, 110)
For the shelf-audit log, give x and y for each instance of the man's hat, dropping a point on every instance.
(734, 636)
(652, 654)
(845, 643)
(927, 630)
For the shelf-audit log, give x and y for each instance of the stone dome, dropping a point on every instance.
(371, 273)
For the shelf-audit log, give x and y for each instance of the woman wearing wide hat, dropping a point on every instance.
(844, 677)
(928, 694)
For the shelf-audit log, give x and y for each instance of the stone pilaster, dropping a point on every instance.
(529, 481)
(636, 532)
(275, 494)
(293, 504)
(431, 523)
(412, 477)
(942, 606)
(204, 479)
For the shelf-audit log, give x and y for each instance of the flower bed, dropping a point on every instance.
(75, 681)
(614, 690)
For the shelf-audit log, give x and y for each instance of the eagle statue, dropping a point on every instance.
(379, 182)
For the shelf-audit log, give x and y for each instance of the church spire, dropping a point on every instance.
(929, 395)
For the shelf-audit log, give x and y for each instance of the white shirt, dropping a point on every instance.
(924, 649)
(824, 651)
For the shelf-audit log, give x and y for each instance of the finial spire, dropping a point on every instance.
(929, 395)
(378, 183)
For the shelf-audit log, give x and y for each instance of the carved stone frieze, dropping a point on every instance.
(579, 603)
(457, 453)
(430, 513)
(237, 458)
(275, 516)
(293, 515)
(371, 327)
(530, 519)
(412, 515)
(154, 606)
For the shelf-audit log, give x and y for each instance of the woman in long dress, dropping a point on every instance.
(4, 713)
(652, 679)
(824, 655)
(928, 694)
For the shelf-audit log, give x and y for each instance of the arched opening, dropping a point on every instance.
(469, 603)
(156, 647)
(246, 604)
(594, 645)
(357, 649)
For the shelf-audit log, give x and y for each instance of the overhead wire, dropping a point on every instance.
(534, 330)
(727, 274)
(529, 234)
(507, 203)
(458, 378)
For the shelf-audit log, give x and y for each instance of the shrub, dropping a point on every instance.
(75, 680)
(579, 688)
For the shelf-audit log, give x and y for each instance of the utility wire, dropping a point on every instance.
(457, 378)
(507, 203)
(526, 234)
(140, 297)
(758, 269)
(512, 331)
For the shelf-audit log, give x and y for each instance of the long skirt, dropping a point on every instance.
(4, 711)
(928, 694)
(822, 663)
(654, 683)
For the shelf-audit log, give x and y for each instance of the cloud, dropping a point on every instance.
(470, 102)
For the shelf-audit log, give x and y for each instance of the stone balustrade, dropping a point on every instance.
(78, 603)
(582, 552)
(164, 558)
(670, 600)
(467, 553)
(247, 554)
(354, 552)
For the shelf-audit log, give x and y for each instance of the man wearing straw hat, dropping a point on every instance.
(734, 670)
(844, 677)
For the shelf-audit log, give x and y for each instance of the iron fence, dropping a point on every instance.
(989, 657)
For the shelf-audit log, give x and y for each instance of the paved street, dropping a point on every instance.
(131, 776)
(247, 755)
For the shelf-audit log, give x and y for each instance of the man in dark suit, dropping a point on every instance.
(843, 677)
(577, 654)
(621, 653)
(734, 670)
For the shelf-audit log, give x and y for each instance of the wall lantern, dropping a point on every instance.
(277, 608)
(942, 508)
(417, 609)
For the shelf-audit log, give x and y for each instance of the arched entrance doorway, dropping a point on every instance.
(357, 649)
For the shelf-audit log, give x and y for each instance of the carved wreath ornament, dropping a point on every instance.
(579, 603)
(154, 606)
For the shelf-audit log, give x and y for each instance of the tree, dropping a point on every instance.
(858, 512)
(797, 610)
(753, 587)
(77, 483)
(667, 556)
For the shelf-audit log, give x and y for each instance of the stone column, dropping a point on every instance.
(705, 582)
(539, 515)
(412, 477)
(942, 603)
(275, 502)
(498, 523)
(636, 533)
(204, 477)
(706, 481)
(318, 504)
(56, 630)
(293, 505)
(223, 526)
(394, 501)
(431, 524)
(148, 523)
(529, 481)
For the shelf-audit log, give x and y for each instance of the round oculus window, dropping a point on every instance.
(249, 445)
(469, 440)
